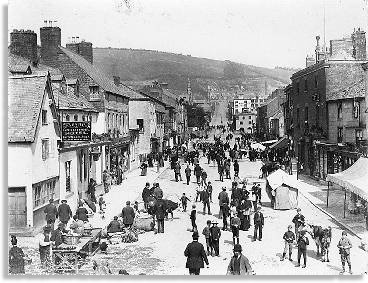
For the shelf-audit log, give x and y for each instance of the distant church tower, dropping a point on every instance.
(189, 93)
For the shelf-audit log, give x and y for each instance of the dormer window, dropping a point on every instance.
(94, 92)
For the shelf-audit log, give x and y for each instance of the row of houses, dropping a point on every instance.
(68, 121)
(322, 113)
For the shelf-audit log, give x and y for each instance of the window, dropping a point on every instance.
(44, 117)
(83, 118)
(241, 122)
(339, 134)
(108, 121)
(67, 177)
(94, 92)
(43, 192)
(81, 166)
(250, 122)
(67, 118)
(75, 117)
(250, 117)
(85, 166)
(45, 149)
(339, 110)
(306, 85)
(140, 124)
(315, 81)
(356, 109)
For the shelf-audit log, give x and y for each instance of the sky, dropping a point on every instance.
(264, 33)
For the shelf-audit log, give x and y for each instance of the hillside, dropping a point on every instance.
(132, 64)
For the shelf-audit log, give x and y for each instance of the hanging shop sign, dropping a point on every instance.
(76, 131)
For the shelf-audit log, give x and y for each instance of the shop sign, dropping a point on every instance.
(76, 131)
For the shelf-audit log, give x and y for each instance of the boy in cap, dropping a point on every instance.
(184, 201)
(258, 224)
(344, 246)
(235, 224)
(239, 264)
(207, 233)
(302, 242)
(193, 216)
(44, 246)
(298, 221)
(289, 238)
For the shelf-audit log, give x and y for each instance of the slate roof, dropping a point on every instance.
(25, 96)
(16, 62)
(357, 89)
(96, 74)
(70, 101)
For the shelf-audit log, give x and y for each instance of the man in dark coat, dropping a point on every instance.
(206, 201)
(57, 235)
(196, 256)
(198, 173)
(239, 264)
(236, 168)
(145, 194)
(258, 224)
(16, 258)
(64, 212)
(51, 213)
(160, 213)
(188, 172)
(128, 215)
(223, 198)
(114, 226)
(215, 234)
(298, 221)
(82, 213)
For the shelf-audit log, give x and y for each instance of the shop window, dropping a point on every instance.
(44, 117)
(43, 192)
(339, 110)
(339, 134)
(45, 149)
(67, 176)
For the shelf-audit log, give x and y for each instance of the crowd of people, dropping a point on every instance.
(235, 210)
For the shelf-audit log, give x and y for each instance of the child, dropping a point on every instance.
(135, 206)
(102, 205)
(235, 224)
(193, 216)
(206, 232)
(289, 238)
(184, 200)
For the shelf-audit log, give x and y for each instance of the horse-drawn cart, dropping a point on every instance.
(70, 256)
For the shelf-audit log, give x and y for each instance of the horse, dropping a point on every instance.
(322, 238)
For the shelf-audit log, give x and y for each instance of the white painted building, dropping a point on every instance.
(33, 134)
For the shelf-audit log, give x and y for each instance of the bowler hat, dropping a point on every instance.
(195, 235)
(237, 248)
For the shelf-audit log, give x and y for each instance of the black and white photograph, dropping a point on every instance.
(186, 137)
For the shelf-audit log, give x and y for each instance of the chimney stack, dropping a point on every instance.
(50, 42)
(359, 44)
(24, 44)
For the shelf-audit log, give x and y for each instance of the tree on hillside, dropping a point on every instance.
(233, 70)
(197, 117)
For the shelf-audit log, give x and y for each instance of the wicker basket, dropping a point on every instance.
(70, 239)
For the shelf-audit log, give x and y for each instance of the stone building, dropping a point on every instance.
(326, 98)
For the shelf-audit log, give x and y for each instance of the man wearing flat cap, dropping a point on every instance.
(51, 213)
(239, 264)
(196, 256)
(215, 234)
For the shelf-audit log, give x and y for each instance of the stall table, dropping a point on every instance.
(69, 258)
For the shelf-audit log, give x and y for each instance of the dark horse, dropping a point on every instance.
(322, 238)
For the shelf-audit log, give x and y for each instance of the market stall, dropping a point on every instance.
(70, 255)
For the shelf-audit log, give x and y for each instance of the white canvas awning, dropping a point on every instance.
(354, 179)
(257, 146)
(279, 177)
